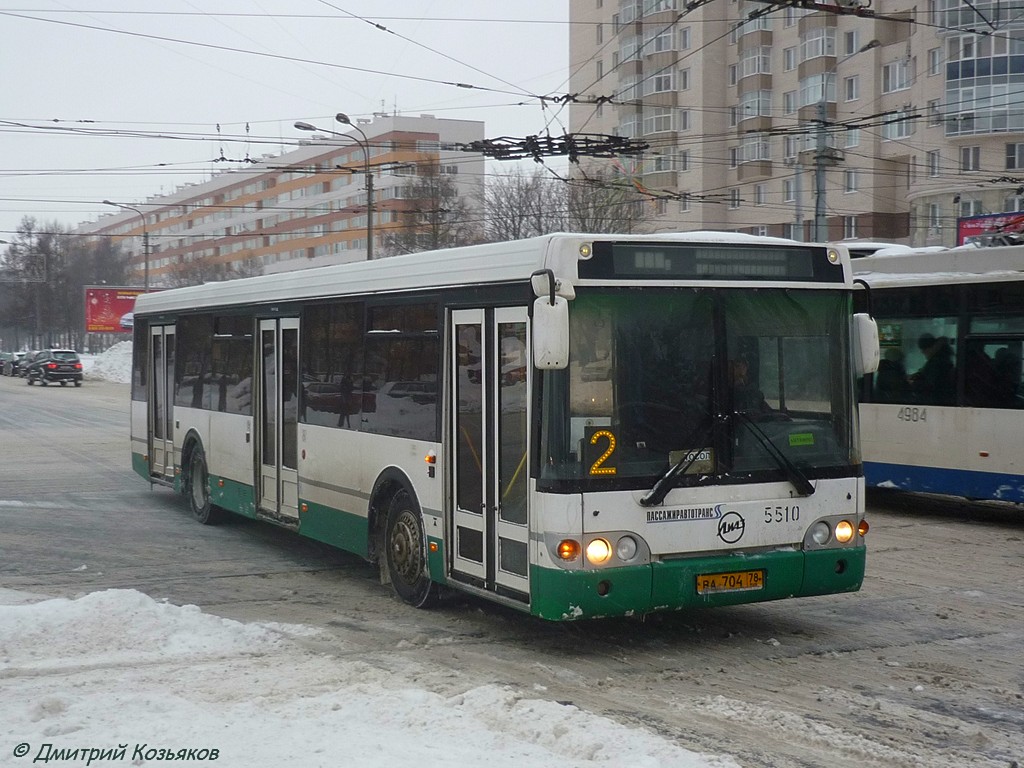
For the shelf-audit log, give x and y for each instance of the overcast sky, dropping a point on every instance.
(121, 99)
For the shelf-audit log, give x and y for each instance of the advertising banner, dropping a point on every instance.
(988, 223)
(109, 309)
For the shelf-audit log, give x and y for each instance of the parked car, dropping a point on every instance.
(10, 365)
(56, 365)
(4, 357)
(23, 363)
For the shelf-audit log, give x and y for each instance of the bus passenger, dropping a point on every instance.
(935, 382)
(891, 385)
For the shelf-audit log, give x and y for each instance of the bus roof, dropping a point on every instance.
(490, 263)
(930, 267)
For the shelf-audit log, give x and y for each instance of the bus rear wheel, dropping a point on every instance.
(405, 549)
(198, 490)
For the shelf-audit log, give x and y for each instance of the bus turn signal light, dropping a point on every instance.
(863, 527)
(568, 549)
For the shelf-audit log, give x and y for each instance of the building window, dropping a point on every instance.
(684, 80)
(759, 194)
(1014, 203)
(789, 102)
(684, 202)
(788, 190)
(934, 61)
(971, 207)
(734, 198)
(820, 41)
(756, 61)
(755, 104)
(683, 38)
(849, 226)
(934, 160)
(896, 76)
(851, 88)
(1014, 157)
(733, 74)
(899, 126)
(852, 137)
(790, 146)
(734, 154)
(684, 160)
(970, 158)
(850, 180)
(658, 120)
(817, 88)
(852, 41)
(600, 34)
(934, 113)
(789, 59)
(761, 230)
(934, 219)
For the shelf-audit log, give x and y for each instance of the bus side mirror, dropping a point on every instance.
(551, 332)
(865, 344)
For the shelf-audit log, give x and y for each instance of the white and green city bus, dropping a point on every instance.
(574, 425)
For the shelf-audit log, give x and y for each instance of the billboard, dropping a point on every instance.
(987, 223)
(109, 309)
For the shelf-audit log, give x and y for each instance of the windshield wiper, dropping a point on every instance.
(793, 473)
(666, 482)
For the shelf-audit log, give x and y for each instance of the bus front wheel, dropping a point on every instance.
(198, 490)
(405, 548)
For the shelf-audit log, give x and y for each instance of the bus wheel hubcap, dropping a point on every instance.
(405, 547)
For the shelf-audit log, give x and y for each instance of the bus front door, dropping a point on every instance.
(277, 417)
(489, 433)
(161, 402)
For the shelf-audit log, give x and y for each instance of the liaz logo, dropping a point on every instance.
(731, 527)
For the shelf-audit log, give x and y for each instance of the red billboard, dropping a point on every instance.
(988, 223)
(109, 309)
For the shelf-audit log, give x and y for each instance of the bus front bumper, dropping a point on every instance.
(672, 585)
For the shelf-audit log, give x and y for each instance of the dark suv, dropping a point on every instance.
(62, 365)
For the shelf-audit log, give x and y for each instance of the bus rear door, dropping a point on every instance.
(161, 402)
(277, 419)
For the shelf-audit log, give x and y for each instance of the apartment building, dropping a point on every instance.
(304, 208)
(806, 123)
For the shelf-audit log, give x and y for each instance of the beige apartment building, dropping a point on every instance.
(304, 208)
(807, 123)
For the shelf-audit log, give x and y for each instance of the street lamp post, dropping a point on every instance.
(364, 144)
(824, 155)
(145, 239)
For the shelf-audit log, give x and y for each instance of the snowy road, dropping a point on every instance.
(921, 668)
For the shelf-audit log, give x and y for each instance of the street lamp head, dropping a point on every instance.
(341, 117)
(306, 126)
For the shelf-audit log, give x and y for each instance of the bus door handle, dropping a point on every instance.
(248, 431)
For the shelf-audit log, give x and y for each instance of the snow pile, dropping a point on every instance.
(118, 668)
(113, 365)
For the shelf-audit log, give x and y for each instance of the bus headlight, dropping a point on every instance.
(626, 548)
(599, 551)
(844, 531)
(820, 532)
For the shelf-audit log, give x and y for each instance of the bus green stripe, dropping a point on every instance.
(335, 527)
(672, 585)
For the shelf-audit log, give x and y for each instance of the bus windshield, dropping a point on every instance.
(722, 385)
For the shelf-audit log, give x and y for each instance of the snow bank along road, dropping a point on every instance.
(921, 668)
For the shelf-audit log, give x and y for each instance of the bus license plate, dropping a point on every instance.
(737, 581)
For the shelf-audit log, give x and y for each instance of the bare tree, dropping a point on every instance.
(44, 274)
(437, 216)
(603, 202)
(196, 271)
(520, 205)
